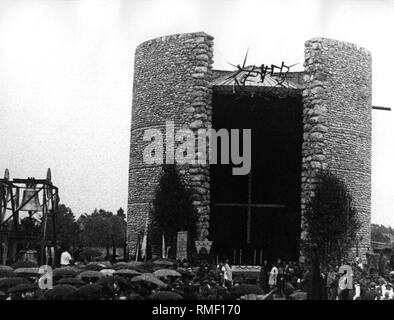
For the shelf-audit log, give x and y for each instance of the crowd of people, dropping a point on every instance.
(202, 279)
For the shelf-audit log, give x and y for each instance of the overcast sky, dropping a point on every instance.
(66, 72)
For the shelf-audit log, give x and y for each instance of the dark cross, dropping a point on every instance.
(249, 205)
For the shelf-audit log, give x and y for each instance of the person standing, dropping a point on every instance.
(65, 258)
(264, 277)
(343, 291)
(330, 284)
(228, 273)
(272, 281)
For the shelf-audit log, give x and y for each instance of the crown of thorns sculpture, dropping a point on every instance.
(260, 72)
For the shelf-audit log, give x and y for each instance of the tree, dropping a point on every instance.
(103, 229)
(331, 220)
(172, 209)
(381, 233)
(120, 213)
(67, 229)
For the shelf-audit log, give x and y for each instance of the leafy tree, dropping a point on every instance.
(67, 229)
(381, 233)
(103, 229)
(331, 219)
(172, 208)
(120, 213)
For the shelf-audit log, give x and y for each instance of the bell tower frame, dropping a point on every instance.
(10, 208)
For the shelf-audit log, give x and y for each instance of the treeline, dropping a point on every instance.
(101, 228)
(381, 233)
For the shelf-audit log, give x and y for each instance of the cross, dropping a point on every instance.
(249, 205)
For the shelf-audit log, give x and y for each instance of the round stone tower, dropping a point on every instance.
(172, 82)
(337, 123)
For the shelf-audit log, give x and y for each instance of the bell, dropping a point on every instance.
(34, 203)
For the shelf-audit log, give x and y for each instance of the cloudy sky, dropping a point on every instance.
(66, 72)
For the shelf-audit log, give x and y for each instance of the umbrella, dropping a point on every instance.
(120, 265)
(111, 280)
(105, 264)
(6, 283)
(89, 292)
(27, 272)
(165, 262)
(71, 281)
(94, 267)
(4, 273)
(66, 272)
(186, 273)
(24, 264)
(244, 289)
(110, 284)
(147, 267)
(23, 287)
(89, 275)
(108, 272)
(61, 292)
(149, 278)
(134, 264)
(128, 273)
(6, 268)
(298, 295)
(165, 295)
(164, 273)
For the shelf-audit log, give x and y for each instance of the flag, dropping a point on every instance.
(137, 250)
(144, 241)
(163, 247)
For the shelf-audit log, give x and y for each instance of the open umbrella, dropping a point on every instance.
(6, 268)
(71, 281)
(244, 289)
(299, 295)
(127, 273)
(105, 264)
(61, 292)
(149, 278)
(6, 283)
(186, 273)
(27, 272)
(111, 280)
(4, 273)
(90, 276)
(89, 292)
(23, 287)
(66, 272)
(147, 267)
(164, 273)
(107, 272)
(93, 266)
(165, 295)
(165, 262)
(120, 265)
(112, 284)
(24, 264)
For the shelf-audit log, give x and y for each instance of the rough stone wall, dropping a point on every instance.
(337, 122)
(172, 76)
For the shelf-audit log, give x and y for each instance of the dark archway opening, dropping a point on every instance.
(257, 216)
